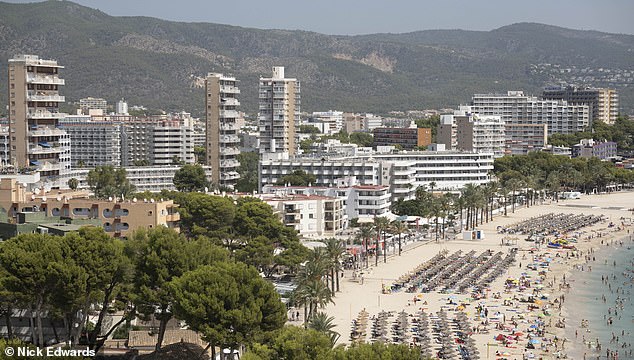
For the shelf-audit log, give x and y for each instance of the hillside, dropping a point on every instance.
(155, 62)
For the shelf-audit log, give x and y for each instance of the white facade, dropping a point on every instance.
(144, 178)
(358, 200)
(328, 122)
(518, 109)
(90, 103)
(402, 172)
(122, 107)
(468, 131)
(93, 143)
(279, 113)
(313, 216)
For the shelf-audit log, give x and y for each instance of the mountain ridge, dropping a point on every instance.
(156, 63)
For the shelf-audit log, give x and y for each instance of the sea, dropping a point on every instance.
(600, 306)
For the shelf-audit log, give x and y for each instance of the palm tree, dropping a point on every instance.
(489, 191)
(459, 205)
(312, 292)
(366, 232)
(334, 251)
(321, 322)
(514, 184)
(398, 228)
(381, 224)
(312, 295)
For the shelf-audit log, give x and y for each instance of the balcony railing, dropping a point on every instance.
(45, 115)
(49, 98)
(42, 79)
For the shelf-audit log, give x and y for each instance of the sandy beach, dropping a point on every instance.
(506, 314)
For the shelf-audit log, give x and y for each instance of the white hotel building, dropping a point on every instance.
(402, 172)
(515, 108)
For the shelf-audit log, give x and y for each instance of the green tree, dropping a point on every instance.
(298, 178)
(228, 303)
(248, 171)
(106, 181)
(208, 215)
(200, 153)
(308, 129)
(377, 351)
(311, 291)
(190, 178)
(73, 183)
(362, 139)
(399, 228)
(292, 342)
(159, 255)
(366, 232)
(381, 224)
(324, 324)
(107, 271)
(32, 263)
(335, 250)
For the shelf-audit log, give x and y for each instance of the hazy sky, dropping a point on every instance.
(372, 16)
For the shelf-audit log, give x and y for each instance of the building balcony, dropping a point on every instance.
(228, 127)
(42, 79)
(229, 163)
(230, 102)
(45, 131)
(48, 149)
(229, 151)
(48, 166)
(227, 89)
(45, 115)
(47, 98)
(231, 114)
(231, 175)
(229, 139)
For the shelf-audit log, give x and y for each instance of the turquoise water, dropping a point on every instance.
(600, 296)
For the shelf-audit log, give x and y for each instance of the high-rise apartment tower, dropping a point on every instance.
(222, 141)
(35, 138)
(279, 100)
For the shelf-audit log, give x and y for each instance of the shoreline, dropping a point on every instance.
(604, 253)
(355, 297)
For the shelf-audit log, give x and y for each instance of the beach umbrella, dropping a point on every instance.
(533, 341)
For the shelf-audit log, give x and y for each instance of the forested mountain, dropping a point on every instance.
(158, 63)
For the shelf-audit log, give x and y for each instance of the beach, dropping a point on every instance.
(531, 306)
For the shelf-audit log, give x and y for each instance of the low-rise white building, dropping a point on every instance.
(358, 201)
(313, 216)
(144, 178)
(402, 172)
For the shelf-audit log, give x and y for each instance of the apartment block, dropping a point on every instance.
(279, 113)
(144, 178)
(524, 138)
(118, 218)
(328, 122)
(34, 99)
(402, 172)
(221, 140)
(515, 108)
(311, 215)
(407, 138)
(5, 147)
(90, 103)
(358, 201)
(465, 130)
(95, 143)
(587, 148)
(603, 102)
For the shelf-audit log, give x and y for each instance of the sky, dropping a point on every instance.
(352, 17)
